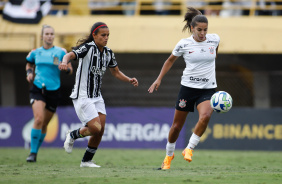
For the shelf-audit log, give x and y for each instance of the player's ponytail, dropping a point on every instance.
(193, 16)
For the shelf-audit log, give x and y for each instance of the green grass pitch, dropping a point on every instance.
(130, 166)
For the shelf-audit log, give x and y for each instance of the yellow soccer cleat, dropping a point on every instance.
(187, 153)
(166, 162)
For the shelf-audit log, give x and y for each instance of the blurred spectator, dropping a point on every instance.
(96, 5)
(196, 4)
(229, 11)
(278, 12)
(128, 7)
(262, 5)
(211, 12)
(160, 7)
(59, 12)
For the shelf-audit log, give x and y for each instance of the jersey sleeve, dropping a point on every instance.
(81, 51)
(30, 58)
(215, 38)
(178, 49)
(113, 62)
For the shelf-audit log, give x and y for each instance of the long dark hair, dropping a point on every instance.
(192, 17)
(95, 29)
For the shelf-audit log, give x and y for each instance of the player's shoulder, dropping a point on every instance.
(213, 37)
(33, 51)
(60, 49)
(186, 41)
(108, 49)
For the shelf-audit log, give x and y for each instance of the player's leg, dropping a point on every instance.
(205, 112)
(38, 108)
(178, 122)
(52, 98)
(93, 144)
(47, 117)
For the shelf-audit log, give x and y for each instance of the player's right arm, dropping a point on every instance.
(29, 68)
(69, 56)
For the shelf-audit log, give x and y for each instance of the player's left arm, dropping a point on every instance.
(121, 76)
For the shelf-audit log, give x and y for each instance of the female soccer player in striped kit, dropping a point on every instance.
(45, 91)
(198, 81)
(94, 57)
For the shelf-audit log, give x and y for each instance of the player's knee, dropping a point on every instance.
(96, 128)
(175, 127)
(204, 118)
(38, 122)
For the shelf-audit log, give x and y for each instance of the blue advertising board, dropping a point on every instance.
(139, 127)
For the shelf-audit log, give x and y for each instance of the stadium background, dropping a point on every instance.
(248, 65)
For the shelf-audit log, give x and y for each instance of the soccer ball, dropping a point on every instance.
(221, 102)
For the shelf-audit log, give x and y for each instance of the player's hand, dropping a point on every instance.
(134, 82)
(63, 66)
(154, 86)
(29, 77)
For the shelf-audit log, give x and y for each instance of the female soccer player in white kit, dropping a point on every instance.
(94, 57)
(198, 81)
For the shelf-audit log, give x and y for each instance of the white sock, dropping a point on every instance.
(170, 147)
(193, 142)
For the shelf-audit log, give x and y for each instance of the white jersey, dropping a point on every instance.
(200, 61)
(90, 71)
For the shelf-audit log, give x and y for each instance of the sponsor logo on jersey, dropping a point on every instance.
(182, 103)
(98, 71)
(56, 61)
(199, 79)
(211, 50)
(190, 52)
(212, 42)
(202, 50)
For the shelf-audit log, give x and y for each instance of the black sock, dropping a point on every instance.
(75, 134)
(89, 154)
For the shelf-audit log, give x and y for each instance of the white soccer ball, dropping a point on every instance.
(221, 102)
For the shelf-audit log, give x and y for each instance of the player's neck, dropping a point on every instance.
(46, 46)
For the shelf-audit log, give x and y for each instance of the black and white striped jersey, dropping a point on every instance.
(91, 68)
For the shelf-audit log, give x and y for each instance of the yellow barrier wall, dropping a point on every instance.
(148, 34)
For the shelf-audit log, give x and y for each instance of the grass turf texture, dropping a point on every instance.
(128, 166)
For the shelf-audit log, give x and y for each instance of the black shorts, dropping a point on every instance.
(190, 97)
(51, 98)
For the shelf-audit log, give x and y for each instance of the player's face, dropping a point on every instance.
(48, 36)
(200, 31)
(102, 37)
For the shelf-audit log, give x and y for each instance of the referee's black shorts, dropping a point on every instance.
(188, 98)
(51, 98)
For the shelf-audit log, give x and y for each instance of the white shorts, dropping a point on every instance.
(88, 108)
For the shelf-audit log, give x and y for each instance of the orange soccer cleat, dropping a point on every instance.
(166, 162)
(187, 153)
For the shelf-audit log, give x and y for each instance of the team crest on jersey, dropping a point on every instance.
(56, 61)
(182, 103)
(211, 50)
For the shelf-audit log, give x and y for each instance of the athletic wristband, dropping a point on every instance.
(29, 71)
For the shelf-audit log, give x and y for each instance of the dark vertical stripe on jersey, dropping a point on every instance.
(90, 81)
(79, 80)
(98, 81)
